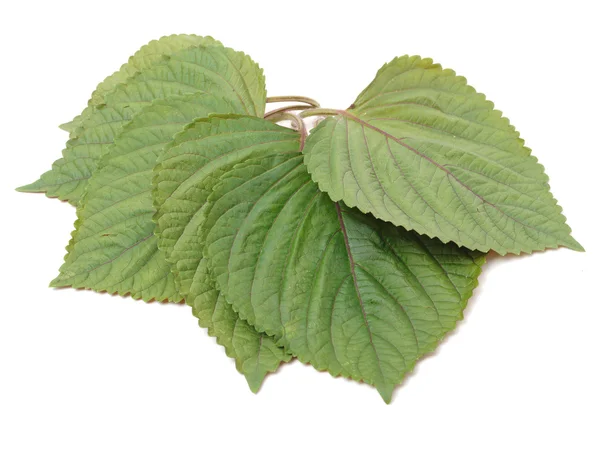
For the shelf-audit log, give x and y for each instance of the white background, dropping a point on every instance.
(81, 370)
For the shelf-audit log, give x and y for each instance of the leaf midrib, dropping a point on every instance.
(449, 173)
(338, 211)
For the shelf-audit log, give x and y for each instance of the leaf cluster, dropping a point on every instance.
(354, 248)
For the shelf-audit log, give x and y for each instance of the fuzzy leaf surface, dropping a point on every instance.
(339, 289)
(423, 150)
(212, 69)
(113, 247)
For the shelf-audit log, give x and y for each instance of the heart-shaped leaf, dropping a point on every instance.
(423, 150)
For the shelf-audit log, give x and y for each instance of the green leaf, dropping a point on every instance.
(69, 175)
(255, 354)
(147, 56)
(341, 290)
(113, 247)
(423, 150)
(217, 70)
(186, 172)
(184, 178)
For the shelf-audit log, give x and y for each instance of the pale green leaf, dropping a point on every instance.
(147, 56)
(341, 290)
(69, 175)
(113, 247)
(217, 70)
(423, 150)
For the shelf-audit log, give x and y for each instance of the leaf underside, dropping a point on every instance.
(211, 69)
(423, 150)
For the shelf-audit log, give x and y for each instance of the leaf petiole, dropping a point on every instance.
(286, 109)
(297, 121)
(293, 98)
(319, 112)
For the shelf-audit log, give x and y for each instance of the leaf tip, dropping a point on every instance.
(33, 187)
(67, 126)
(255, 380)
(57, 282)
(573, 244)
(386, 391)
(578, 247)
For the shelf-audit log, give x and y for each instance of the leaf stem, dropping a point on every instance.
(297, 121)
(287, 108)
(319, 112)
(293, 98)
